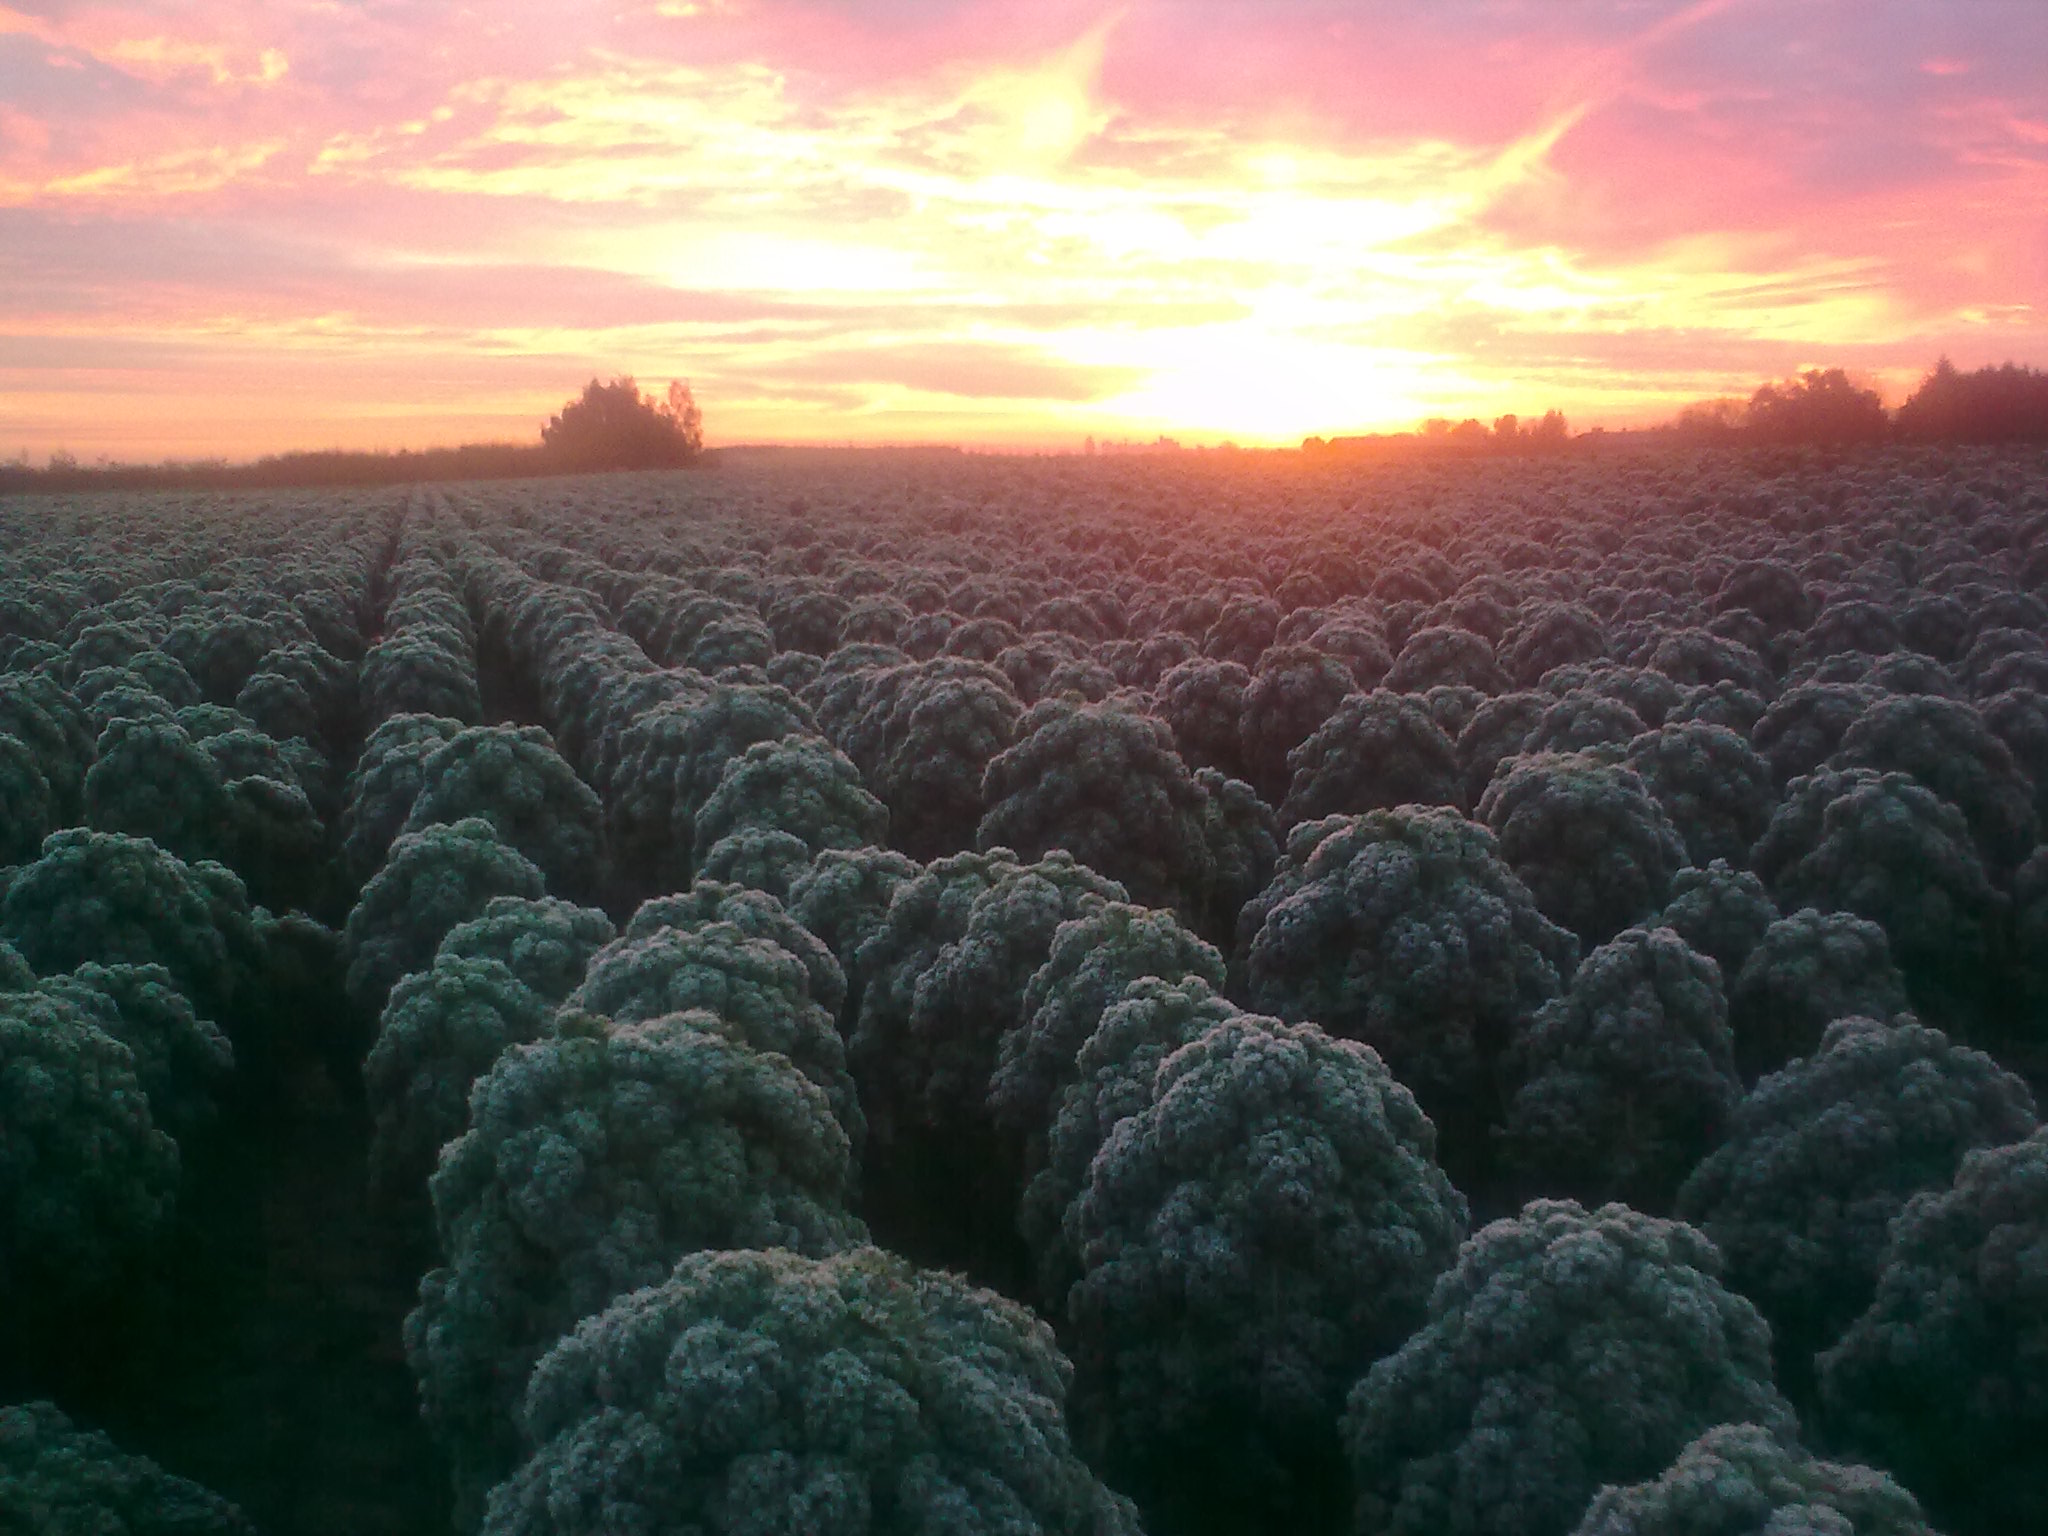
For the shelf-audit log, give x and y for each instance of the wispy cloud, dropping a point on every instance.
(1015, 222)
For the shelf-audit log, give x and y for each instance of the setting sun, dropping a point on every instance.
(992, 223)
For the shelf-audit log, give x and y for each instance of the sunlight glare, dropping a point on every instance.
(1255, 385)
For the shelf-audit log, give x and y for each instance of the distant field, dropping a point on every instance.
(512, 991)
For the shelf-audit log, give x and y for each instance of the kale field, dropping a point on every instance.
(910, 992)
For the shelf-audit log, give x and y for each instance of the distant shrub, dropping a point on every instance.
(613, 426)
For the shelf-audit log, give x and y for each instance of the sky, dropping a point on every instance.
(231, 228)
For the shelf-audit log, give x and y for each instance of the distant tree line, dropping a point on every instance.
(1509, 434)
(2006, 404)
(609, 426)
(616, 427)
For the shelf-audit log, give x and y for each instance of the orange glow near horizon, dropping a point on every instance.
(237, 230)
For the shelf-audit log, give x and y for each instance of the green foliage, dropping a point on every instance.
(150, 779)
(1376, 751)
(278, 845)
(670, 761)
(926, 913)
(1264, 1224)
(1714, 787)
(1243, 835)
(1885, 847)
(109, 643)
(843, 898)
(759, 858)
(757, 989)
(756, 914)
(756, 1393)
(37, 711)
(1743, 1480)
(930, 1064)
(108, 694)
(301, 1008)
(1806, 723)
(1826, 1152)
(1582, 720)
(1626, 1080)
(420, 672)
(440, 1032)
(1113, 1076)
(513, 778)
(86, 1177)
(546, 943)
(1720, 910)
(801, 786)
(118, 900)
(1584, 834)
(594, 1160)
(59, 1480)
(1940, 1380)
(434, 879)
(1406, 930)
(1809, 969)
(1566, 1350)
(1945, 744)
(220, 647)
(1203, 702)
(936, 731)
(28, 809)
(1295, 689)
(1092, 959)
(181, 1060)
(1445, 656)
(385, 782)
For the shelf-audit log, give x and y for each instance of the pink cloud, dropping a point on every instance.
(1025, 214)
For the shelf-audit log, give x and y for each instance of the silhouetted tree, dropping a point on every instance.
(613, 426)
(1511, 434)
(1992, 405)
(1715, 419)
(1817, 407)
